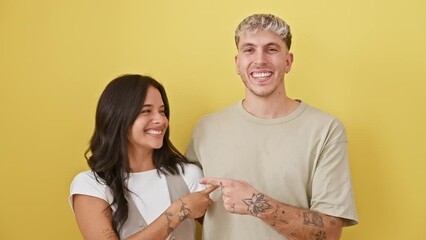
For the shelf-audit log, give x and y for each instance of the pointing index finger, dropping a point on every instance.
(210, 189)
(213, 181)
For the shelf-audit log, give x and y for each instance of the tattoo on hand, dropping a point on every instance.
(320, 235)
(312, 218)
(169, 222)
(184, 211)
(257, 203)
(279, 216)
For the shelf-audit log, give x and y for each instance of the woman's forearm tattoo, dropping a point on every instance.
(109, 233)
(257, 204)
(184, 211)
(169, 216)
(182, 215)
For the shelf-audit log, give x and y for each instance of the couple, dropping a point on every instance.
(276, 161)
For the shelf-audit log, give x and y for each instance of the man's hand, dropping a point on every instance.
(239, 197)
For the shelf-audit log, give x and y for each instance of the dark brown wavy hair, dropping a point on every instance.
(118, 107)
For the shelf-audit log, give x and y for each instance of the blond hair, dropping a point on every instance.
(266, 22)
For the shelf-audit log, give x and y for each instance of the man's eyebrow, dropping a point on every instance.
(247, 44)
(272, 44)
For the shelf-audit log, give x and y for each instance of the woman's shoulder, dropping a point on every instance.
(192, 173)
(87, 177)
(190, 169)
(88, 183)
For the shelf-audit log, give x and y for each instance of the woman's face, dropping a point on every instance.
(147, 132)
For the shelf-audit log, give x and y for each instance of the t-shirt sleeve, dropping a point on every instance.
(192, 175)
(190, 153)
(85, 183)
(332, 192)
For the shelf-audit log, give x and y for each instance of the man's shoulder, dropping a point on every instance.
(319, 113)
(321, 118)
(221, 114)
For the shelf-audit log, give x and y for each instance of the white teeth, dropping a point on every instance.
(154, 132)
(261, 75)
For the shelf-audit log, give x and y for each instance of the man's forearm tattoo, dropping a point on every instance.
(169, 216)
(279, 216)
(318, 235)
(257, 203)
(312, 218)
(184, 211)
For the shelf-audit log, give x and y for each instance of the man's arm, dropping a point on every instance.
(294, 223)
(297, 223)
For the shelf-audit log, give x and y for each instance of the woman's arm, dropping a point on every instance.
(94, 217)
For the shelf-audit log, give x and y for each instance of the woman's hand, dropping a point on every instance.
(194, 205)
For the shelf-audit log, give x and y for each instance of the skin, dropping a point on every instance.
(262, 61)
(147, 132)
(264, 53)
(241, 198)
(94, 216)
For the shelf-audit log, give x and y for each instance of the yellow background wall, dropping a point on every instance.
(361, 60)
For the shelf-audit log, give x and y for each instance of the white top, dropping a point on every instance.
(150, 187)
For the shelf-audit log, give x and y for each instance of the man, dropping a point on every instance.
(278, 161)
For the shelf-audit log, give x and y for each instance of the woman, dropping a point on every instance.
(140, 186)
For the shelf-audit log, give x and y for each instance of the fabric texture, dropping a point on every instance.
(167, 188)
(300, 159)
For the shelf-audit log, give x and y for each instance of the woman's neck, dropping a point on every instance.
(140, 161)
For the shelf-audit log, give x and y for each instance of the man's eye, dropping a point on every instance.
(272, 50)
(248, 50)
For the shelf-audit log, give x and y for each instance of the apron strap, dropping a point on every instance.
(135, 221)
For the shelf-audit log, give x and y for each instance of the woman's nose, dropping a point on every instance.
(158, 118)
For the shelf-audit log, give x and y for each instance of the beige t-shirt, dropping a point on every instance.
(300, 159)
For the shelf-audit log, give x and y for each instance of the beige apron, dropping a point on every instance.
(135, 222)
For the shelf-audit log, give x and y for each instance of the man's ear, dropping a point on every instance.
(236, 64)
(289, 61)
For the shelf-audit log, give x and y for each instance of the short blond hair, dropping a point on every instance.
(267, 22)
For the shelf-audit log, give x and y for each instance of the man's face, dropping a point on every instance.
(262, 61)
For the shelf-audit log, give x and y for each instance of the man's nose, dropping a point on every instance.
(260, 58)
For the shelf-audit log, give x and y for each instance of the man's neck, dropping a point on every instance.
(270, 107)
